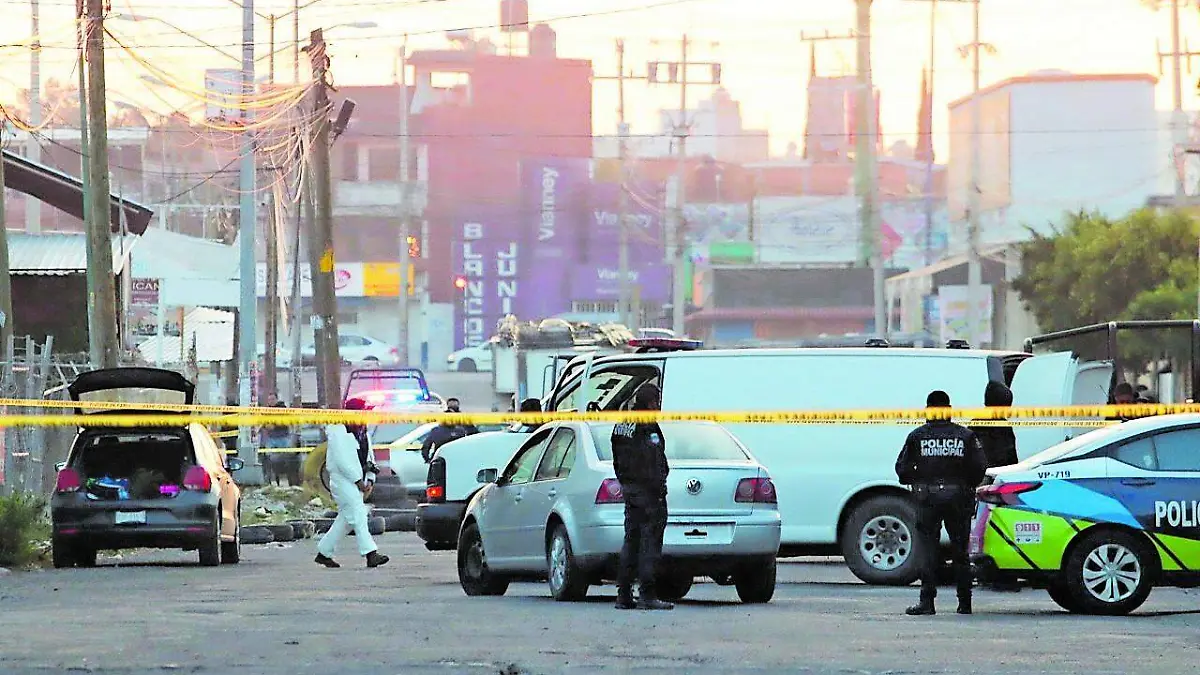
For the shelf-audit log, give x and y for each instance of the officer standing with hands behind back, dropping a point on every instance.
(943, 462)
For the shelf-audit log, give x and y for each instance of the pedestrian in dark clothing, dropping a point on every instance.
(277, 465)
(448, 430)
(943, 462)
(640, 462)
(999, 443)
(1124, 394)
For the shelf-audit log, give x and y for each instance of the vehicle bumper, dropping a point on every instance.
(439, 523)
(180, 526)
(600, 543)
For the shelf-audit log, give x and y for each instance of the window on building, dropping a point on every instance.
(383, 164)
(593, 307)
(348, 167)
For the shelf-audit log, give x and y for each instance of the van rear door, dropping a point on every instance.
(1047, 380)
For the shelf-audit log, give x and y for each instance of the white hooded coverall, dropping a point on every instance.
(341, 459)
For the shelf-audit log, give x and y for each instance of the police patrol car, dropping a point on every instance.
(1098, 520)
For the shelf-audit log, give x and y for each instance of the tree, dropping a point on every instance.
(1096, 269)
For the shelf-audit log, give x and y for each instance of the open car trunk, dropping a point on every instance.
(132, 465)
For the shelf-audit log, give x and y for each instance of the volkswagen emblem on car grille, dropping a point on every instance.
(694, 486)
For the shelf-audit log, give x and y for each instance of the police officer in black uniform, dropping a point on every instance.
(943, 462)
(640, 461)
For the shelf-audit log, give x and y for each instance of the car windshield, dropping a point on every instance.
(685, 440)
(135, 395)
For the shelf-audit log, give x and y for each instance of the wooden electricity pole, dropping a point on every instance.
(324, 315)
(102, 293)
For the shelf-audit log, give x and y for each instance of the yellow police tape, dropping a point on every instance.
(1073, 416)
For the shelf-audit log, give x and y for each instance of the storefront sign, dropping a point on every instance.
(348, 280)
(383, 280)
(144, 292)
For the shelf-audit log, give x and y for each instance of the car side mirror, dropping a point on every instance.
(235, 464)
(59, 466)
(487, 476)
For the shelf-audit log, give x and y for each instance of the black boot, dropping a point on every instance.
(964, 605)
(922, 608)
(325, 560)
(375, 559)
(625, 598)
(650, 602)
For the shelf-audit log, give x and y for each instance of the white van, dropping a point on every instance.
(837, 487)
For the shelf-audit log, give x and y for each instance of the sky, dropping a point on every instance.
(765, 62)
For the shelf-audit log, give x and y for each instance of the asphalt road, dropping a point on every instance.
(279, 614)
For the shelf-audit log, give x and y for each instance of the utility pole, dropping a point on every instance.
(296, 42)
(33, 150)
(405, 210)
(5, 275)
(974, 267)
(102, 292)
(271, 56)
(270, 390)
(677, 73)
(1179, 134)
(865, 162)
(247, 229)
(624, 304)
(324, 299)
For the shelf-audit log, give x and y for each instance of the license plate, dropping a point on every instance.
(131, 517)
(698, 533)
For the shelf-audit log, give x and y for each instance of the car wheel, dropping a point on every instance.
(567, 581)
(231, 551)
(1061, 595)
(878, 541)
(673, 587)
(1110, 573)
(210, 549)
(755, 581)
(473, 573)
(467, 366)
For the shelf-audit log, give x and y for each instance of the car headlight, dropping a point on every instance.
(450, 359)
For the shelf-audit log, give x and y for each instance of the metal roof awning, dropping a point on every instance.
(65, 192)
(58, 254)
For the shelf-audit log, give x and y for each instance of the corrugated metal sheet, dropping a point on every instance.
(57, 254)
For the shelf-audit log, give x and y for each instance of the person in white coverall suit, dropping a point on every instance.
(349, 487)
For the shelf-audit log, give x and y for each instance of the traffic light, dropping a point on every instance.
(460, 283)
(414, 247)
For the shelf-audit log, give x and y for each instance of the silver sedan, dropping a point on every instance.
(556, 512)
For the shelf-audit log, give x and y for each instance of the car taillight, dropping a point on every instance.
(435, 481)
(69, 480)
(197, 479)
(610, 492)
(755, 490)
(1004, 493)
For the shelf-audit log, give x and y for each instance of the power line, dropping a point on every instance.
(563, 17)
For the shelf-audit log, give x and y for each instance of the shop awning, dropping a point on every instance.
(65, 192)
